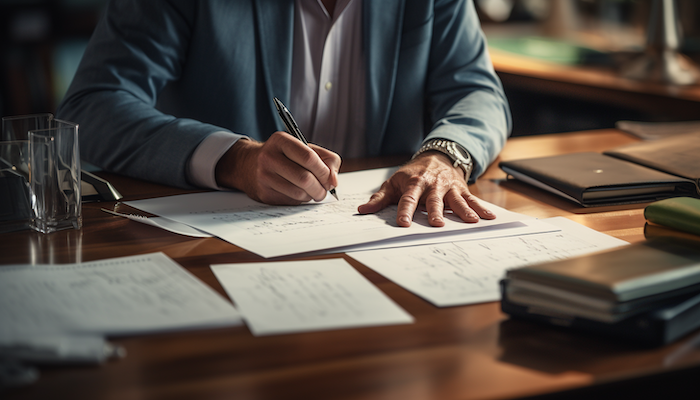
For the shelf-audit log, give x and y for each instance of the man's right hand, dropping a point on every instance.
(282, 170)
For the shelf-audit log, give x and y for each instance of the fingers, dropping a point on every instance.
(435, 206)
(407, 196)
(468, 207)
(332, 161)
(459, 205)
(378, 201)
(475, 204)
(275, 189)
(308, 176)
(431, 181)
(408, 204)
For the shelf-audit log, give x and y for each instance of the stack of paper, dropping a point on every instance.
(63, 308)
(273, 231)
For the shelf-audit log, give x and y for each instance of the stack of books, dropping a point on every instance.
(680, 213)
(647, 292)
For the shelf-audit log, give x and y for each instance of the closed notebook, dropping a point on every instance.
(682, 213)
(622, 274)
(661, 325)
(595, 179)
(566, 302)
(677, 155)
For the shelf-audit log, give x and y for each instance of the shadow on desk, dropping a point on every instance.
(554, 351)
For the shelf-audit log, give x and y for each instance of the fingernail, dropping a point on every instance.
(488, 212)
(404, 219)
(439, 219)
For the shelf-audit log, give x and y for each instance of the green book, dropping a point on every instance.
(682, 213)
(549, 49)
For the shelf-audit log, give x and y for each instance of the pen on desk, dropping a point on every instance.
(293, 128)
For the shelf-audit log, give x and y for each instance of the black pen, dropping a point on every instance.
(293, 128)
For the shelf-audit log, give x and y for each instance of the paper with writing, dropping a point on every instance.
(273, 231)
(468, 272)
(298, 296)
(127, 295)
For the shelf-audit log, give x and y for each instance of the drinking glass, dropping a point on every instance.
(15, 206)
(54, 177)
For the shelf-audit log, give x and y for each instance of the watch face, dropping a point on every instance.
(462, 153)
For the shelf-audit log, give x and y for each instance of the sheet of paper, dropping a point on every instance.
(468, 272)
(517, 228)
(128, 295)
(300, 296)
(163, 223)
(273, 231)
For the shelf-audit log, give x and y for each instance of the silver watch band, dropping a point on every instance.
(457, 153)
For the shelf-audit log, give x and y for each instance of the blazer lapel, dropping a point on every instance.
(382, 24)
(275, 28)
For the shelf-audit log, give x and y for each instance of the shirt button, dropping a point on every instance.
(328, 86)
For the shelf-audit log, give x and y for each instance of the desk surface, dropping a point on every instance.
(601, 84)
(448, 353)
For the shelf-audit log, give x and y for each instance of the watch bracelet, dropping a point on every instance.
(441, 145)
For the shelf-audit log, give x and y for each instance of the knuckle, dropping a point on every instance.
(308, 156)
(471, 198)
(306, 180)
(279, 135)
(408, 198)
(298, 194)
(433, 199)
(376, 196)
(414, 181)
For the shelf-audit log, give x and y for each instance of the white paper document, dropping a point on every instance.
(163, 223)
(273, 231)
(299, 296)
(127, 295)
(506, 229)
(468, 272)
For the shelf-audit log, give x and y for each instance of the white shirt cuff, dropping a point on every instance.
(201, 170)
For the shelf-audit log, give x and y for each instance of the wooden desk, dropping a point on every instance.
(599, 85)
(464, 352)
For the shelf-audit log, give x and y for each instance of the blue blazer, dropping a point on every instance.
(158, 76)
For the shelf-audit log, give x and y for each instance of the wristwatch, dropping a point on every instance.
(456, 152)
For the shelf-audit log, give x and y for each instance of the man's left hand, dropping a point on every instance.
(428, 179)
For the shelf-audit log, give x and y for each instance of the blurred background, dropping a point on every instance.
(560, 60)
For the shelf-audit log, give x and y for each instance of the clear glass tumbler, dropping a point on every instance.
(54, 177)
(15, 207)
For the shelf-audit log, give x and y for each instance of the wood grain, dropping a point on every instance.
(466, 352)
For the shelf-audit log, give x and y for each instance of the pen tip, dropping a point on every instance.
(332, 191)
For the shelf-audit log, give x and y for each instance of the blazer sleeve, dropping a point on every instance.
(137, 49)
(465, 96)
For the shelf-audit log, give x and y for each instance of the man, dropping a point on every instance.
(167, 89)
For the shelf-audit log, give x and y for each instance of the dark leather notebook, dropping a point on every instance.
(594, 179)
(677, 155)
